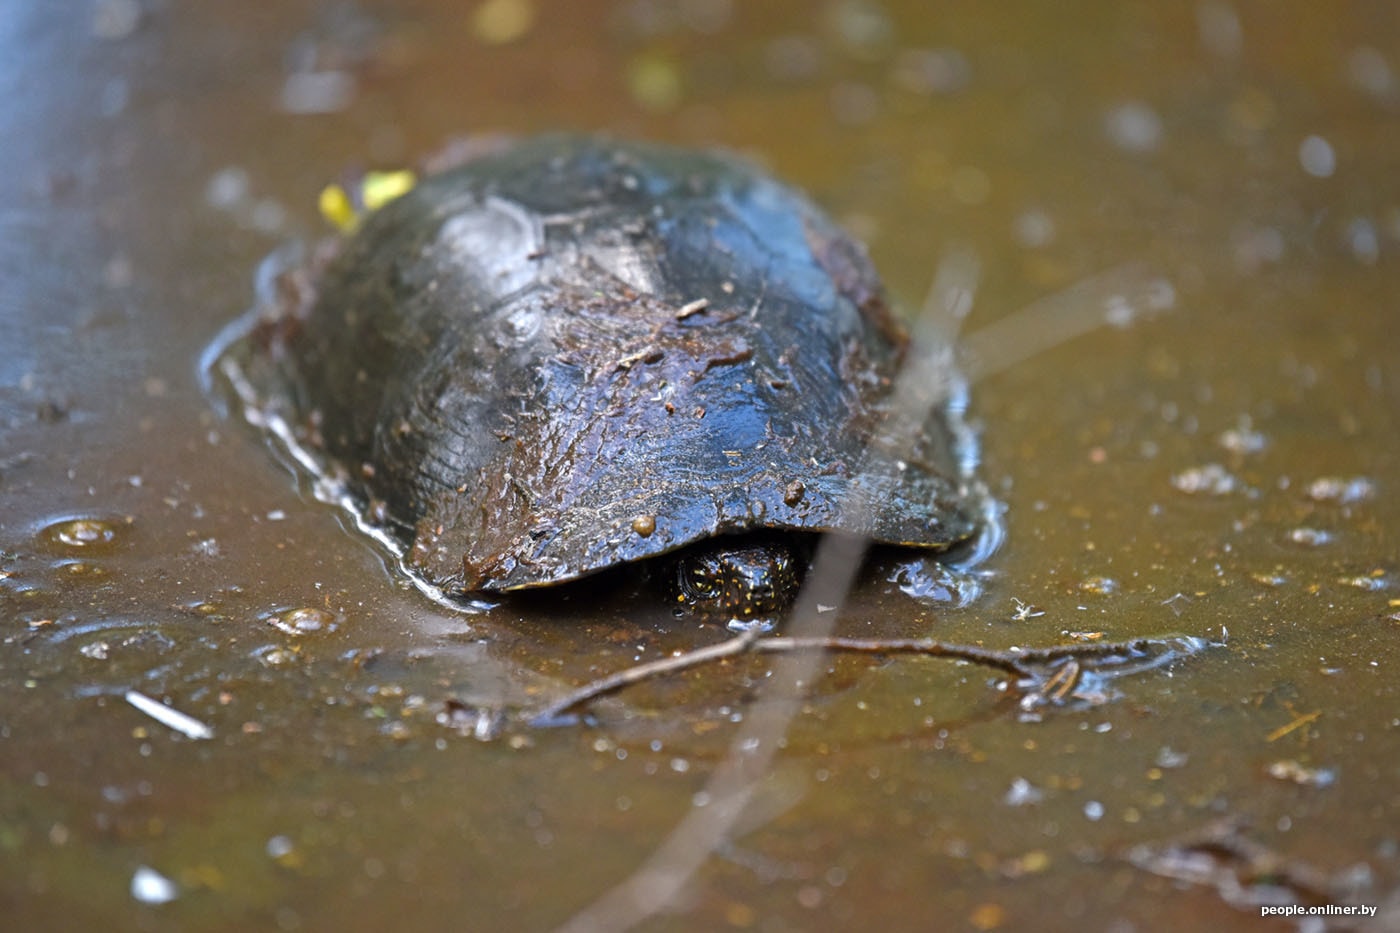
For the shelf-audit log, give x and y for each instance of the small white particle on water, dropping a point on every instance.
(1363, 240)
(97, 650)
(317, 92)
(1033, 229)
(1134, 127)
(1118, 311)
(1317, 158)
(276, 515)
(1370, 72)
(227, 188)
(1093, 811)
(1022, 792)
(267, 216)
(1219, 27)
(173, 718)
(151, 887)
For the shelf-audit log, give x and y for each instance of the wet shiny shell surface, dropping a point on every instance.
(576, 353)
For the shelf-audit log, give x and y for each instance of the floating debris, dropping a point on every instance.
(1343, 490)
(1219, 27)
(1033, 229)
(276, 657)
(1134, 127)
(1025, 611)
(1250, 876)
(1022, 792)
(1056, 675)
(931, 71)
(313, 92)
(479, 722)
(1316, 156)
(860, 28)
(1370, 72)
(1167, 757)
(97, 650)
(1362, 239)
(1099, 586)
(1290, 770)
(1309, 537)
(1372, 582)
(1211, 479)
(151, 887)
(166, 716)
(283, 850)
(1242, 440)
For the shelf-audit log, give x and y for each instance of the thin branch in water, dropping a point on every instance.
(1017, 662)
(561, 708)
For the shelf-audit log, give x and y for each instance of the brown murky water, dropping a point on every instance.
(1225, 471)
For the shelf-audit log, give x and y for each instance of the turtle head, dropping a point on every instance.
(739, 579)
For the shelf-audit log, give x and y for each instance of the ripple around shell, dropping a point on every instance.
(86, 535)
(303, 620)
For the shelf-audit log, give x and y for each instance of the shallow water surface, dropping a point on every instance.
(1224, 471)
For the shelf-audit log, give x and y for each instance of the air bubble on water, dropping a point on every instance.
(1363, 240)
(1021, 793)
(151, 887)
(1309, 537)
(1370, 72)
(306, 620)
(1134, 127)
(1034, 229)
(1211, 479)
(227, 188)
(1343, 490)
(1316, 156)
(1218, 25)
(931, 71)
(81, 534)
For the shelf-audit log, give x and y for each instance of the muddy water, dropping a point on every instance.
(1226, 471)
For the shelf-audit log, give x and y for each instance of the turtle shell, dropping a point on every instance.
(575, 353)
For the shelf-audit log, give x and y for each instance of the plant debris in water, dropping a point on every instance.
(1041, 677)
(1249, 875)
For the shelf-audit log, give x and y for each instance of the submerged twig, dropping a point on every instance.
(1244, 871)
(1018, 662)
(640, 672)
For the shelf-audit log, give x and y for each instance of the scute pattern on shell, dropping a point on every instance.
(522, 357)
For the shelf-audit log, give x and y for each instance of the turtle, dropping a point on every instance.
(571, 353)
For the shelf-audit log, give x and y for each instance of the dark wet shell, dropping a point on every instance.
(577, 353)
